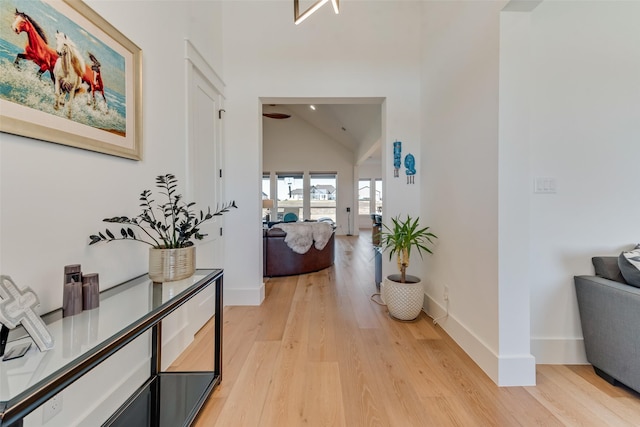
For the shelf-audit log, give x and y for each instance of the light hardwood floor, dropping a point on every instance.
(319, 352)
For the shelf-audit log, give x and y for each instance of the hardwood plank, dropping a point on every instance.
(319, 352)
(399, 399)
(587, 373)
(322, 325)
(275, 308)
(479, 394)
(237, 343)
(284, 401)
(564, 406)
(612, 410)
(356, 279)
(423, 328)
(449, 411)
(323, 401)
(243, 407)
(361, 392)
(304, 288)
(210, 412)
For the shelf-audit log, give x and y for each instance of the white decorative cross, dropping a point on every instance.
(18, 307)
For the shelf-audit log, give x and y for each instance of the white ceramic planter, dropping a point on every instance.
(404, 300)
(168, 265)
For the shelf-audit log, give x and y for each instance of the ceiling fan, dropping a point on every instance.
(278, 116)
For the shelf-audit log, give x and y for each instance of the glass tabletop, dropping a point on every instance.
(76, 336)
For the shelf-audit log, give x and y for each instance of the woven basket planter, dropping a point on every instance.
(168, 265)
(404, 300)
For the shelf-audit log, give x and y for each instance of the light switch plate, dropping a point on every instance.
(545, 185)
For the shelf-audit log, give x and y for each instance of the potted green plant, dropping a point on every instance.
(403, 293)
(168, 227)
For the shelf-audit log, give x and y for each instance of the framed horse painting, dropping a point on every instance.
(67, 76)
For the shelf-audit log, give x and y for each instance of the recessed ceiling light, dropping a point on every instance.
(313, 107)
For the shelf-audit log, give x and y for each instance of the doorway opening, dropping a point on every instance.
(312, 140)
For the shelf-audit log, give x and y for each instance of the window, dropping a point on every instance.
(378, 196)
(290, 194)
(364, 197)
(323, 189)
(266, 193)
(369, 196)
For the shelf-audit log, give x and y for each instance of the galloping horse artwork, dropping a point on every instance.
(37, 49)
(93, 77)
(84, 55)
(68, 71)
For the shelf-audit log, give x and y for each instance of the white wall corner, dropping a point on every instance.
(244, 296)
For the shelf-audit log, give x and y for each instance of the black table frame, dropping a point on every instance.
(13, 411)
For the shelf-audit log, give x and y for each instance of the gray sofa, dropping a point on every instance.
(610, 317)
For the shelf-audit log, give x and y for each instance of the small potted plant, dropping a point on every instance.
(403, 293)
(167, 227)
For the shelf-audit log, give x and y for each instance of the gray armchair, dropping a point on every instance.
(610, 317)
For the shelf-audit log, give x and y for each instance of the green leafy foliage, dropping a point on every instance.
(170, 225)
(401, 237)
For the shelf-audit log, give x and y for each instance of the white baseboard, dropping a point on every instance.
(248, 296)
(481, 354)
(517, 370)
(512, 370)
(559, 351)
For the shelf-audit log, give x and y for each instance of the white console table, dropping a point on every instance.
(87, 339)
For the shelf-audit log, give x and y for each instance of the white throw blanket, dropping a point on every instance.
(301, 235)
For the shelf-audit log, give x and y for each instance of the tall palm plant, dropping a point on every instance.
(401, 237)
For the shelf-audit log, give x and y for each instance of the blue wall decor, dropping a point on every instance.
(410, 165)
(397, 158)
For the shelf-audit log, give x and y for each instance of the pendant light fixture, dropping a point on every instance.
(299, 17)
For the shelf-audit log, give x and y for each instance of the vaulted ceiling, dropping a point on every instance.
(354, 125)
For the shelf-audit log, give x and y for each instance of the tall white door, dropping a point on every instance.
(206, 165)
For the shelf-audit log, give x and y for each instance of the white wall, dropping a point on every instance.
(358, 53)
(585, 128)
(293, 145)
(574, 116)
(371, 170)
(53, 197)
(460, 140)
